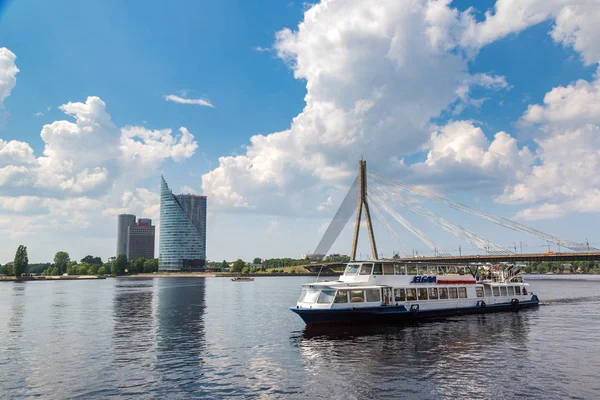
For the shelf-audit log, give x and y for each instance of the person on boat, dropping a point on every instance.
(524, 292)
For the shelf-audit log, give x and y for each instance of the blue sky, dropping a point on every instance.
(355, 80)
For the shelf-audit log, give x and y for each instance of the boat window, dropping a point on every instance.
(443, 293)
(311, 296)
(503, 291)
(412, 269)
(388, 269)
(433, 293)
(479, 291)
(378, 269)
(517, 290)
(487, 290)
(399, 295)
(453, 293)
(366, 269)
(341, 296)
(411, 294)
(511, 291)
(422, 293)
(302, 296)
(462, 292)
(496, 291)
(351, 269)
(400, 269)
(356, 296)
(432, 270)
(326, 296)
(373, 295)
(422, 270)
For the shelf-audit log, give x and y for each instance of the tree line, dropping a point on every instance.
(88, 265)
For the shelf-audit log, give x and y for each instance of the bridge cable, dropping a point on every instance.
(575, 246)
(409, 226)
(339, 221)
(449, 226)
(403, 249)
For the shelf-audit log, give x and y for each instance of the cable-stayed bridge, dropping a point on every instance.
(384, 197)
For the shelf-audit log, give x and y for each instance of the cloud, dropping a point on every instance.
(575, 24)
(39, 114)
(566, 175)
(572, 105)
(376, 74)
(8, 73)
(88, 170)
(461, 150)
(182, 100)
(262, 49)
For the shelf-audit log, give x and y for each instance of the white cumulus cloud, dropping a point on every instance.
(8, 73)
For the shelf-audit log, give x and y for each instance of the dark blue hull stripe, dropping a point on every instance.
(395, 314)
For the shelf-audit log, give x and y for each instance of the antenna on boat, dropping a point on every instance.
(363, 202)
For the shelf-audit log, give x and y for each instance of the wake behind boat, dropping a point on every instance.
(388, 292)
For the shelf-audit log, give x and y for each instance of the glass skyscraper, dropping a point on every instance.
(182, 243)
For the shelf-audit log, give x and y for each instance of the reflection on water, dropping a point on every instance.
(451, 357)
(158, 336)
(180, 333)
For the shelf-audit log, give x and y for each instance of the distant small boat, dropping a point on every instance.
(242, 279)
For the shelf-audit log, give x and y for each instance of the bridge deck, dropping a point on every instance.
(512, 258)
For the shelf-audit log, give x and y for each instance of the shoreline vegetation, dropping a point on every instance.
(90, 267)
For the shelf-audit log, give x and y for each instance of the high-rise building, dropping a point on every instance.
(140, 242)
(124, 221)
(135, 240)
(182, 243)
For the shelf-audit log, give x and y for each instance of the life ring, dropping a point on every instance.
(482, 304)
(515, 302)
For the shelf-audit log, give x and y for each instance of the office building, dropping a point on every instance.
(141, 240)
(182, 243)
(135, 240)
(124, 221)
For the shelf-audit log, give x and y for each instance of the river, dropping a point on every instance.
(187, 338)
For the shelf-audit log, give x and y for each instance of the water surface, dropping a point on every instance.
(186, 337)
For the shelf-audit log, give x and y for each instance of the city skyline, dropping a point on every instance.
(266, 110)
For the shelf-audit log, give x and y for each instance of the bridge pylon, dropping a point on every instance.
(363, 202)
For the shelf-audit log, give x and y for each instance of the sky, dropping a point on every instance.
(267, 109)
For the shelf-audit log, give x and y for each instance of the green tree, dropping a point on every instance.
(8, 269)
(238, 265)
(55, 271)
(396, 256)
(120, 265)
(21, 261)
(151, 266)
(92, 260)
(246, 270)
(102, 270)
(257, 260)
(61, 259)
(93, 269)
(224, 265)
(82, 269)
(137, 266)
(72, 268)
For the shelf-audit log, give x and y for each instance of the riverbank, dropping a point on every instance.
(50, 278)
(215, 275)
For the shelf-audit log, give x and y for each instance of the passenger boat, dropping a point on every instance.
(388, 292)
(242, 279)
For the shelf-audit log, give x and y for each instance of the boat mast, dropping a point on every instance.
(362, 201)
